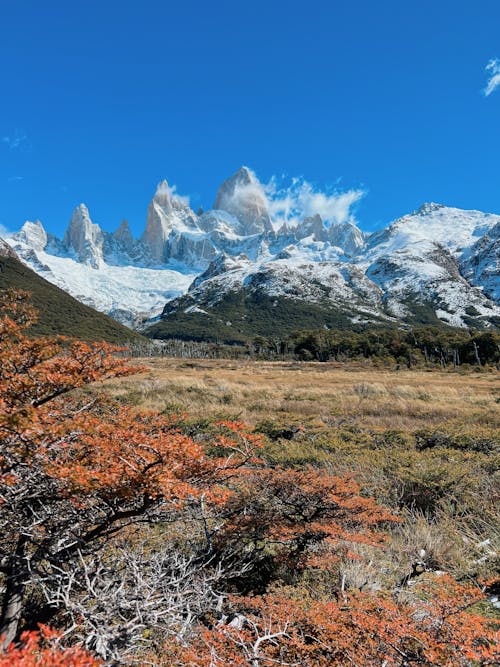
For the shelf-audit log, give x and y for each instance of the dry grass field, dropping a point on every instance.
(253, 391)
(425, 443)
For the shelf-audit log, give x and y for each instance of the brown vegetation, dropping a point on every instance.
(353, 522)
(327, 392)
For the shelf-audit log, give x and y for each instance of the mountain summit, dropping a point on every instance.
(242, 195)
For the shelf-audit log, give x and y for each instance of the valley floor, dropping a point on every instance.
(313, 392)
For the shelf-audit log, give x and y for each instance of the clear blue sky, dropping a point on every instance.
(102, 99)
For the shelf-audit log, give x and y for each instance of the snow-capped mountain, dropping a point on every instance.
(436, 264)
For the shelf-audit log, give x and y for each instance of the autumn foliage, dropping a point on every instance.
(138, 536)
(73, 473)
(361, 629)
(42, 649)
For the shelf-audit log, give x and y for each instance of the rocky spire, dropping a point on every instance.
(312, 226)
(163, 196)
(84, 237)
(158, 222)
(123, 236)
(347, 236)
(243, 196)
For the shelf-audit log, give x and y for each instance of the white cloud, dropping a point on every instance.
(300, 200)
(15, 140)
(171, 190)
(245, 193)
(493, 67)
(4, 232)
(290, 200)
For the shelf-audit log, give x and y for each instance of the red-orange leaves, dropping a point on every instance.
(127, 455)
(296, 510)
(364, 630)
(42, 649)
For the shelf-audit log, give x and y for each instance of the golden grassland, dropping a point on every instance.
(253, 391)
(425, 443)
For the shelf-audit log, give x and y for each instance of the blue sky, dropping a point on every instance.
(101, 100)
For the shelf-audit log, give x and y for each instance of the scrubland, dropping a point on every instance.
(426, 443)
(241, 513)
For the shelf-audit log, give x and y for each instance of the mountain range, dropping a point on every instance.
(234, 271)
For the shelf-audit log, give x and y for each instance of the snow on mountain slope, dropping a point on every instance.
(481, 263)
(127, 293)
(452, 228)
(418, 259)
(436, 264)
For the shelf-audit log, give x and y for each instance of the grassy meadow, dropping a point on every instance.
(424, 443)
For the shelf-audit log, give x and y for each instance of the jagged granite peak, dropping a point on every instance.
(348, 237)
(167, 214)
(163, 196)
(84, 237)
(158, 222)
(242, 195)
(428, 207)
(123, 236)
(312, 226)
(33, 234)
(439, 260)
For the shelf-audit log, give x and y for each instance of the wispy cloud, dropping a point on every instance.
(15, 179)
(15, 140)
(493, 68)
(171, 190)
(291, 200)
(4, 232)
(301, 199)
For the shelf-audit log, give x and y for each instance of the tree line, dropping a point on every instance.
(416, 347)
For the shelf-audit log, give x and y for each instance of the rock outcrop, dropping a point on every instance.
(84, 238)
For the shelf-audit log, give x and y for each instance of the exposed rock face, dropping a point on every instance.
(348, 237)
(171, 229)
(481, 264)
(312, 226)
(222, 265)
(123, 237)
(435, 264)
(6, 250)
(158, 222)
(243, 196)
(84, 238)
